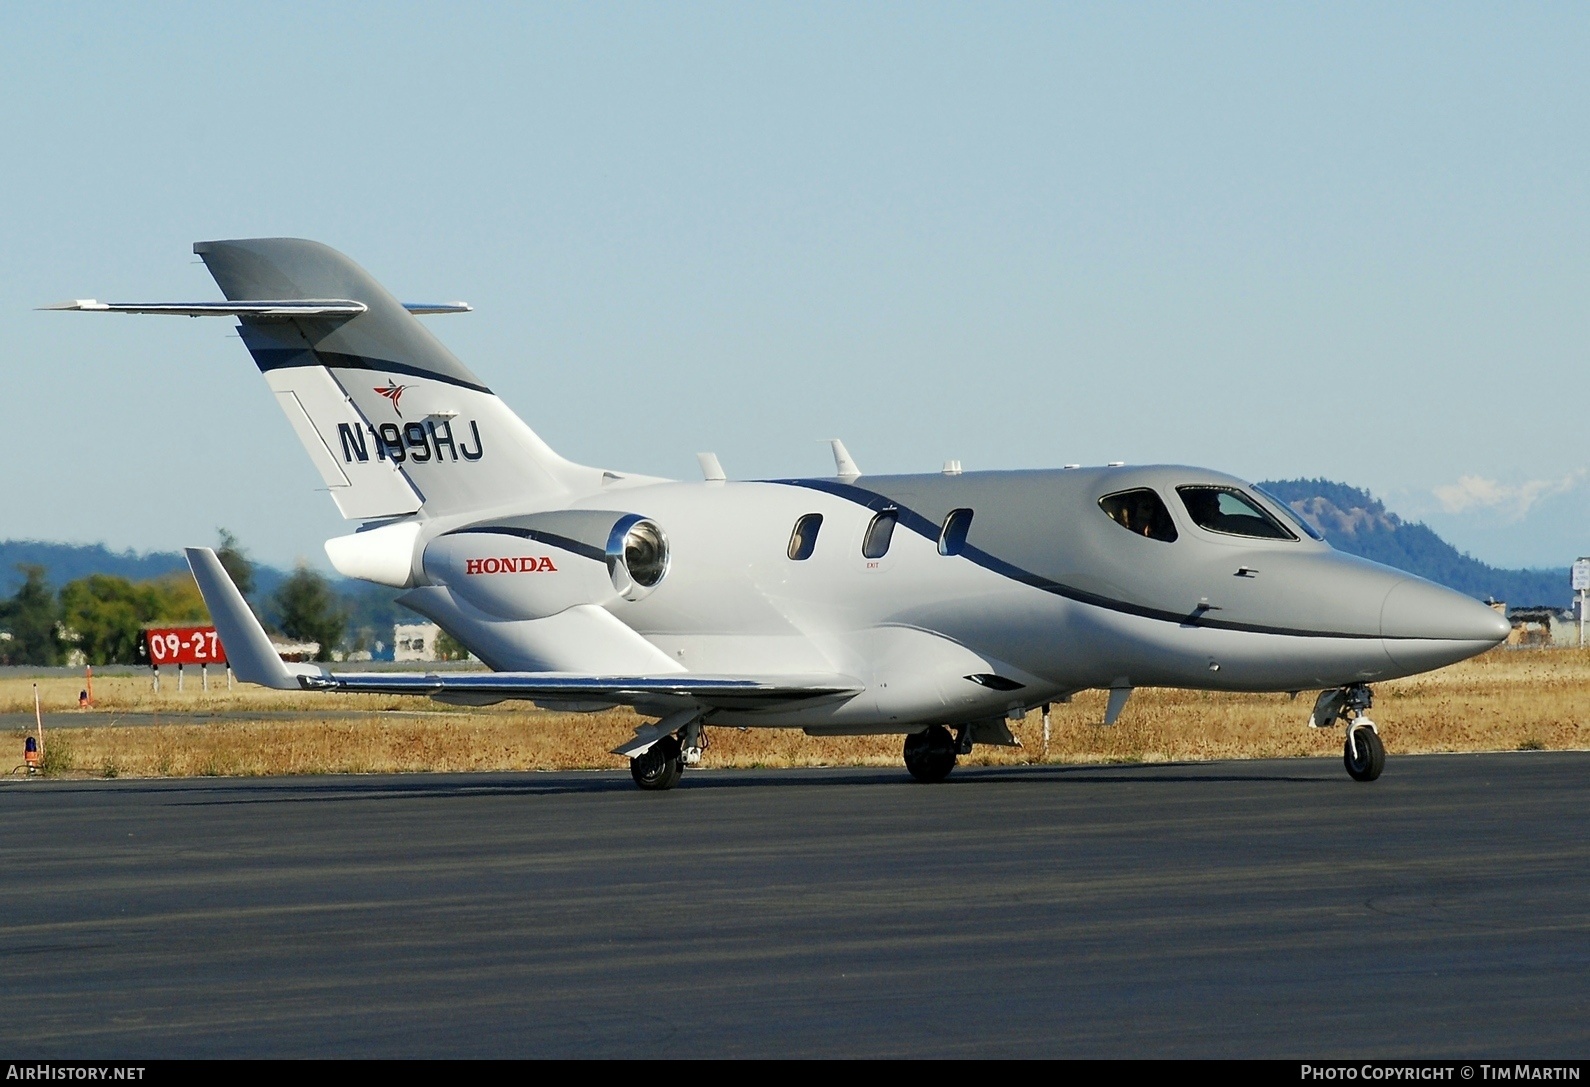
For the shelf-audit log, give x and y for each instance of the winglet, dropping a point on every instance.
(248, 650)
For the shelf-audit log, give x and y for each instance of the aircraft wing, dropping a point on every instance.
(255, 660)
(738, 692)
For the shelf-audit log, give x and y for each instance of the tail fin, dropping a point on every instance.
(392, 420)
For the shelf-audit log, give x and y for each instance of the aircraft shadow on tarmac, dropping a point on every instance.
(331, 789)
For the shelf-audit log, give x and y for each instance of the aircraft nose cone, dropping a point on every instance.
(1416, 614)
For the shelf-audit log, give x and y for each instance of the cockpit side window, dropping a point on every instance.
(1141, 512)
(803, 540)
(1228, 510)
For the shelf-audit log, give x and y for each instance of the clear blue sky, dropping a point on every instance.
(1340, 240)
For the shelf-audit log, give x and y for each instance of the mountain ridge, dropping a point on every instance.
(1355, 521)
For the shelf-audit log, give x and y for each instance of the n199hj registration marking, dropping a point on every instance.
(416, 442)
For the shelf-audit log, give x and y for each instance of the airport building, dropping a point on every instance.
(415, 642)
(1540, 627)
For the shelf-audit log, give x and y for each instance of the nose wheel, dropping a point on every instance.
(1362, 752)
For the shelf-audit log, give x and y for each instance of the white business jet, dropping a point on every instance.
(940, 607)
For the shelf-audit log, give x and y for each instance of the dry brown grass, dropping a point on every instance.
(136, 694)
(1504, 700)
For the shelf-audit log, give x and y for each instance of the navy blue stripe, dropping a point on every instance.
(282, 358)
(584, 550)
(926, 528)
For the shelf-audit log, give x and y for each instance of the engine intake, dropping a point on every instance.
(637, 556)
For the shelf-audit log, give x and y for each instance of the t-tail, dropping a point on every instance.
(394, 423)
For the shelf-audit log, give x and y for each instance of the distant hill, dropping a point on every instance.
(371, 608)
(1355, 521)
(68, 562)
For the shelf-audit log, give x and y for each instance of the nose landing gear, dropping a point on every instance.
(1362, 752)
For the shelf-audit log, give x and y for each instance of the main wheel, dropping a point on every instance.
(1363, 754)
(659, 766)
(930, 754)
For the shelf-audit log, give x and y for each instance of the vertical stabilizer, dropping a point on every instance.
(391, 419)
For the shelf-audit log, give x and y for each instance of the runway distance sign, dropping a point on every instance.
(184, 645)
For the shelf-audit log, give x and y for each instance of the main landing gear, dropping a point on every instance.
(930, 754)
(1362, 752)
(662, 764)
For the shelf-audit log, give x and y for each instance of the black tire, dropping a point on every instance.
(659, 767)
(1365, 763)
(930, 754)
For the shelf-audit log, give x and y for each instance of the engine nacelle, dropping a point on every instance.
(384, 555)
(543, 563)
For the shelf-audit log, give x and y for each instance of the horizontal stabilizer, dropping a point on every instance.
(266, 308)
(438, 307)
(282, 308)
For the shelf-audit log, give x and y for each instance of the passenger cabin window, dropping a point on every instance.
(1141, 512)
(952, 537)
(804, 538)
(1228, 510)
(875, 544)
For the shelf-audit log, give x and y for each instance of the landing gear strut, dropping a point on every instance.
(1362, 752)
(930, 754)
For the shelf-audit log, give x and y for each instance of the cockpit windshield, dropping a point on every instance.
(1140, 512)
(1291, 514)
(1228, 510)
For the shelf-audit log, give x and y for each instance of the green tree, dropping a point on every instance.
(236, 562)
(30, 617)
(103, 615)
(449, 648)
(176, 598)
(307, 609)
